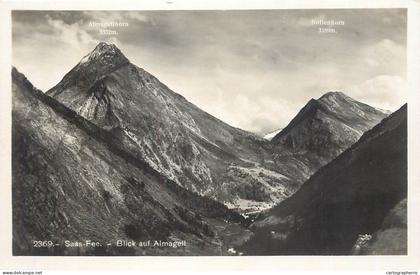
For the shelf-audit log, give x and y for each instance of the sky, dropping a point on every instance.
(254, 69)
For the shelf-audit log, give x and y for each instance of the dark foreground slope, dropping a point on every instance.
(360, 193)
(391, 238)
(72, 181)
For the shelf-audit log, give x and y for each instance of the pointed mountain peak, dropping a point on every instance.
(338, 102)
(105, 54)
(333, 108)
(103, 60)
(104, 47)
(334, 95)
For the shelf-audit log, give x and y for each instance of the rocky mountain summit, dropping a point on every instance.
(327, 126)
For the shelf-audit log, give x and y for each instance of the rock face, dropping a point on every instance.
(182, 142)
(73, 181)
(325, 127)
(360, 193)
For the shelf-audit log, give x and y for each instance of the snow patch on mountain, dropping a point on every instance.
(272, 134)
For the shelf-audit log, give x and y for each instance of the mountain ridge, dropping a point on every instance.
(326, 126)
(181, 141)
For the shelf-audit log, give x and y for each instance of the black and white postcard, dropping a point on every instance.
(269, 131)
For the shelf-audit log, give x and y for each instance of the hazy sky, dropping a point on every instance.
(252, 69)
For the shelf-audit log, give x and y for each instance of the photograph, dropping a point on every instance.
(209, 132)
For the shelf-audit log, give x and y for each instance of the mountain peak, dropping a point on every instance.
(334, 94)
(328, 125)
(105, 47)
(338, 102)
(105, 53)
(104, 59)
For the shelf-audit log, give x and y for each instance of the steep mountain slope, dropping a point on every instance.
(184, 143)
(327, 126)
(348, 198)
(73, 181)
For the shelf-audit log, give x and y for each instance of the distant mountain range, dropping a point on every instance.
(110, 151)
(188, 145)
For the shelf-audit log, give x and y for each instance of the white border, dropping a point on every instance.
(384, 263)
